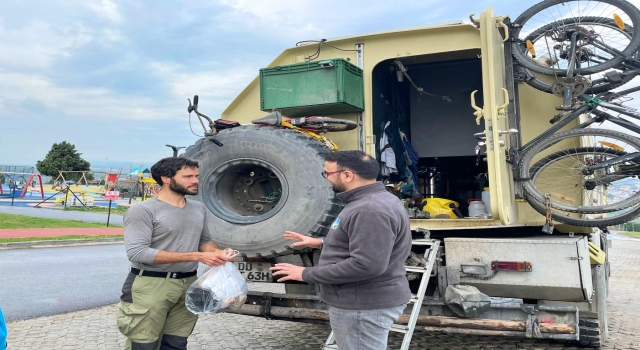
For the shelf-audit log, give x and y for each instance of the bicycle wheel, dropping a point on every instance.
(562, 171)
(556, 164)
(548, 25)
(587, 220)
(597, 82)
(324, 124)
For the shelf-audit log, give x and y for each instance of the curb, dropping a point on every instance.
(60, 243)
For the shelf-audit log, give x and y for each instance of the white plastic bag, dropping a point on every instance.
(220, 287)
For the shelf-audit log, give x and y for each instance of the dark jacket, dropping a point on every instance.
(362, 261)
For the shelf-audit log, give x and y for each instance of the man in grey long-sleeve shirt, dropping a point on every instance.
(361, 269)
(165, 238)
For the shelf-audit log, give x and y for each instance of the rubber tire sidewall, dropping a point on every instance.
(310, 205)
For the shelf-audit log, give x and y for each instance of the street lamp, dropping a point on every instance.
(108, 164)
(175, 149)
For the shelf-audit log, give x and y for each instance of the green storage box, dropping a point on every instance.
(312, 88)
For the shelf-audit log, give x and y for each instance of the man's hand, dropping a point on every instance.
(302, 240)
(219, 257)
(289, 271)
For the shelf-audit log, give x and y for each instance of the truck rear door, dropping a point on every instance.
(495, 117)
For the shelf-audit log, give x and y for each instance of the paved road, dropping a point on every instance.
(96, 329)
(62, 214)
(51, 281)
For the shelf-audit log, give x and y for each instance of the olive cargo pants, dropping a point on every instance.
(152, 313)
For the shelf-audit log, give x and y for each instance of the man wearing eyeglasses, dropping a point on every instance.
(361, 269)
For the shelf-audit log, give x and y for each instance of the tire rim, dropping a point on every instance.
(245, 191)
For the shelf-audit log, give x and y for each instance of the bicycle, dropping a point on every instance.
(573, 46)
(310, 126)
(598, 158)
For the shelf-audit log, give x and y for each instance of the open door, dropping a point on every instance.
(494, 111)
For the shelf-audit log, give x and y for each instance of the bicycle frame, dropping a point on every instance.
(591, 103)
(573, 67)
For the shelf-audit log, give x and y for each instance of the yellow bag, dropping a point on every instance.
(437, 206)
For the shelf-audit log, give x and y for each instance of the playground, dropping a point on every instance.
(24, 187)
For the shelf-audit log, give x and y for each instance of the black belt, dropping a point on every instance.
(176, 275)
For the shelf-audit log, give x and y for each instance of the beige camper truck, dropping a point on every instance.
(459, 82)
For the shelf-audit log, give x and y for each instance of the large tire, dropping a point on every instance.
(257, 162)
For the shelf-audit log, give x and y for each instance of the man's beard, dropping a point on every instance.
(173, 186)
(338, 187)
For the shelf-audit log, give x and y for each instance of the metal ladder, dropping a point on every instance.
(430, 255)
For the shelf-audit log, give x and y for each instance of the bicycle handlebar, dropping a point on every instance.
(212, 126)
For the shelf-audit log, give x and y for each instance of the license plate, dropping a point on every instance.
(254, 271)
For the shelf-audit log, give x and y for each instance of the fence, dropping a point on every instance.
(629, 226)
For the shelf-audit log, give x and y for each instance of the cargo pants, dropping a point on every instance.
(152, 313)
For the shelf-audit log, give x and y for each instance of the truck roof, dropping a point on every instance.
(410, 29)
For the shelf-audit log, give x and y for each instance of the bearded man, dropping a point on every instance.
(165, 238)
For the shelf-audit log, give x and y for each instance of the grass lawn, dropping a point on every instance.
(30, 239)
(629, 234)
(120, 210)
(9, 221)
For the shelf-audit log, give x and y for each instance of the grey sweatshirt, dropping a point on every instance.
(362, 261)
(154, 225)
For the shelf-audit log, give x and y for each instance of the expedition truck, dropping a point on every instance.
(438, 86)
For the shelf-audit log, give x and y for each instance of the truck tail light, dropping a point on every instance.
(521, 266)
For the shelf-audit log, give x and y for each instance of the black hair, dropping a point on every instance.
(170, 166)
(356, 161)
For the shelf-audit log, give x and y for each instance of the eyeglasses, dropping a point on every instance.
(326, 174)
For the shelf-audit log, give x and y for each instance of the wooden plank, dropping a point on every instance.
(481, 323)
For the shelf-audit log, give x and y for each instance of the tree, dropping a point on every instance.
(63, 156)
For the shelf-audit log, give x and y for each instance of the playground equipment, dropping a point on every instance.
(150, 188)
(14, 178)
(106, 182)
(76, 200)
(62, 196)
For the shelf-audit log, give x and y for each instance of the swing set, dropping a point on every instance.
(106, 182)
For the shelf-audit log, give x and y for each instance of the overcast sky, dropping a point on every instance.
(112, 77)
